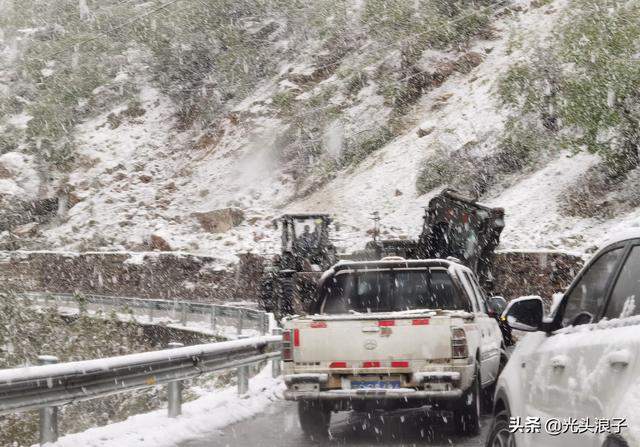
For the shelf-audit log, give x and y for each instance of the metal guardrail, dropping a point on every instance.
(52, 384)
(182, 312)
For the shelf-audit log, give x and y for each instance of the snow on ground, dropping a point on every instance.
(140, 178)
(18, 175)
(531, 206)
(534, 218)
(201, 417)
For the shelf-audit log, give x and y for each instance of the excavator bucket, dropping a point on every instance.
(458, 226)
(454, 226)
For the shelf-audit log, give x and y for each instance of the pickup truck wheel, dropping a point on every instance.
(466, 416)
(314, 419)
(500, 435)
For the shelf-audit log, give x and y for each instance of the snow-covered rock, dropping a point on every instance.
(18, 176)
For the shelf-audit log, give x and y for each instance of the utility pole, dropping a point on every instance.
(376, 225)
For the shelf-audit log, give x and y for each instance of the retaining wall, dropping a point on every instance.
(166, 275)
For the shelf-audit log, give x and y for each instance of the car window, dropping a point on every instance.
(391, 290)
(587, 298)
(624, 298)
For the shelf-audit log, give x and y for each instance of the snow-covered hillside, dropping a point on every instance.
(138, 172)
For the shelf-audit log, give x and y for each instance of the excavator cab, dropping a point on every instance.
(289, 283)
(305, 242)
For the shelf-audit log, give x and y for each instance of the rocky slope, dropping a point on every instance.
(341, 122)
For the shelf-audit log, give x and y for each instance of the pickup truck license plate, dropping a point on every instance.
(374, 384)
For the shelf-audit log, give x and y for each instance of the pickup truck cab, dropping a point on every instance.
(389, 334)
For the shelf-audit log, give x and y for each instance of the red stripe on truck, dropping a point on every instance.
(338, 365)
(318, 324)
(386, 323)
(420, 322)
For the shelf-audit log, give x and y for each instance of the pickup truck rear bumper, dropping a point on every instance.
(401, 394)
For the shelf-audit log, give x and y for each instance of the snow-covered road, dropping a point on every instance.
(278, 426)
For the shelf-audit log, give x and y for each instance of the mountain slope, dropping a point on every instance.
(346, 122)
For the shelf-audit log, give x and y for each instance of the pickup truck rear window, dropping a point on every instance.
(391, 290)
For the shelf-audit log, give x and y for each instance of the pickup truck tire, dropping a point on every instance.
(314, 419)
(466, 415)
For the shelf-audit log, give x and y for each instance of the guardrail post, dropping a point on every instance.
(183, 317)
(175, 308)
(48, 415)
(240, 321)
(174, 391)
(276, 369)
(243, 379)
(213, 317)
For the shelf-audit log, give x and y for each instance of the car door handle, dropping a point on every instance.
(619, 359)
(559, 362)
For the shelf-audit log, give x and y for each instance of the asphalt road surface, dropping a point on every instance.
(278, 426)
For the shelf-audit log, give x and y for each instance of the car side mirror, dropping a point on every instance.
(496, 306)
(525, 313)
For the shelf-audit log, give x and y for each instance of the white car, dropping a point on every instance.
(393, 333)
(574, 380)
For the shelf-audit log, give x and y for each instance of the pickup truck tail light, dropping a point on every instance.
(459, 347)
(296, 337)
(287, 348)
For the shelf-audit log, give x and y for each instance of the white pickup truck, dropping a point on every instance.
(389, 334)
